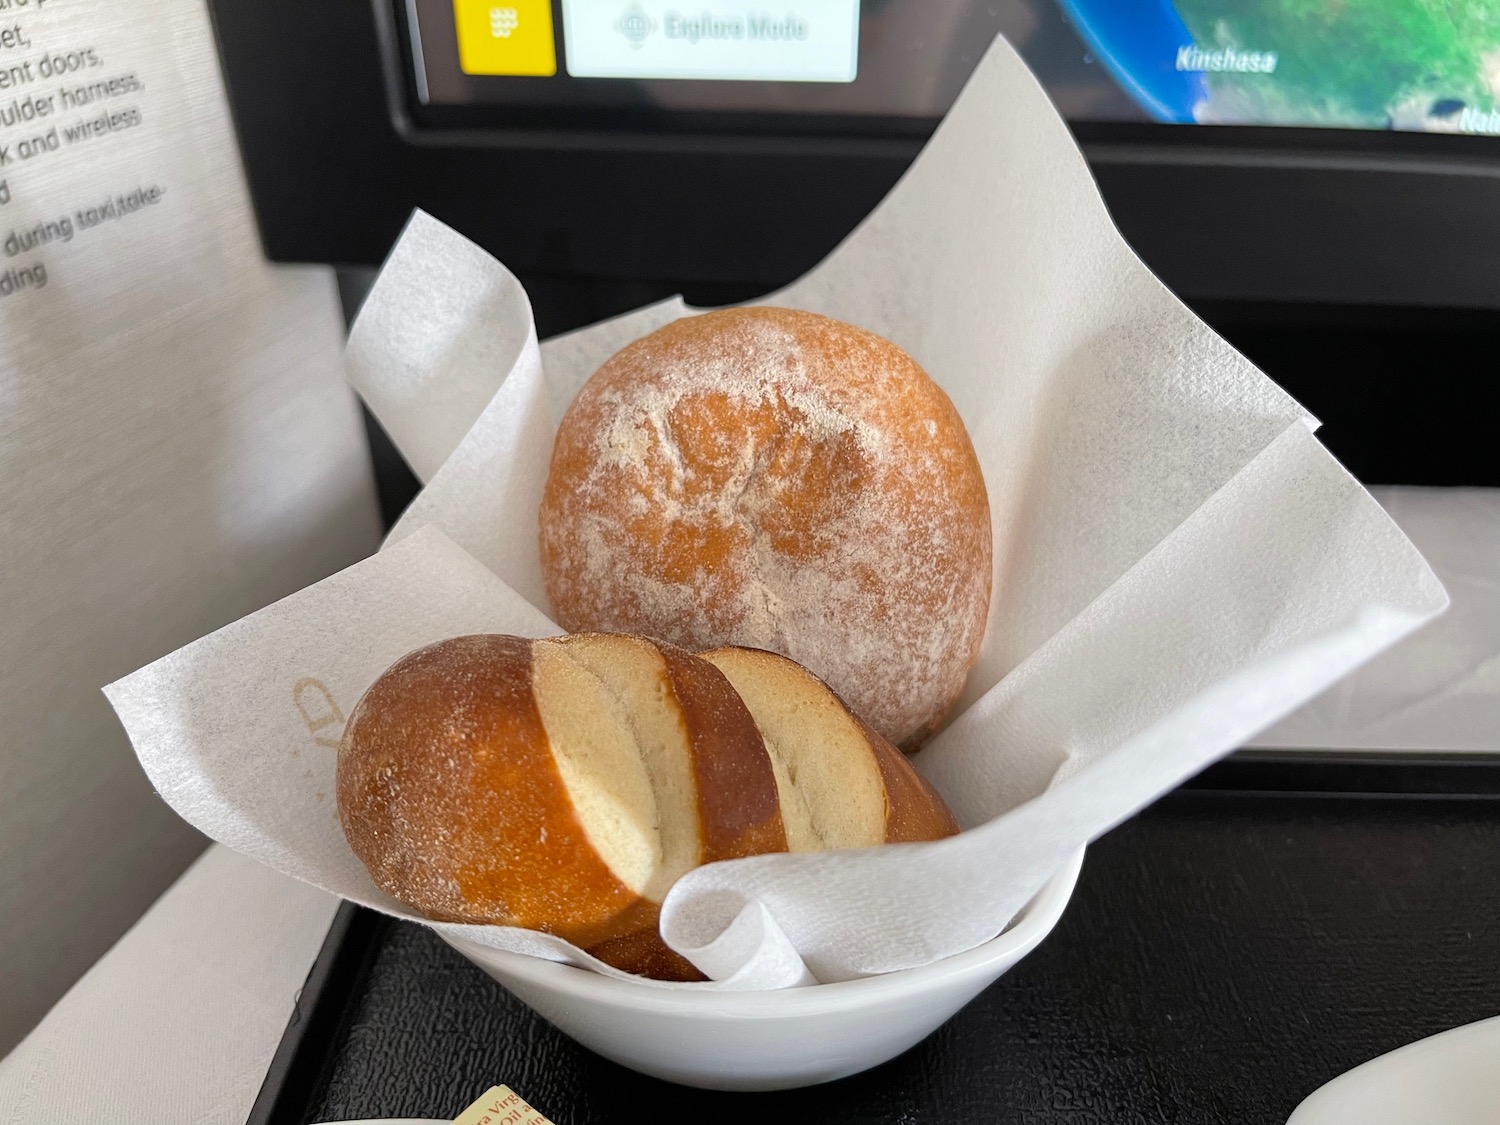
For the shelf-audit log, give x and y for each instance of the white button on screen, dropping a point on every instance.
(793, 41)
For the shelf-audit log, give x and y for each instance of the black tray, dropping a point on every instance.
(1271, 925)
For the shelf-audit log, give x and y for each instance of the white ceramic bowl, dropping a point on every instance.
(1446, 1079)
(772, 1040)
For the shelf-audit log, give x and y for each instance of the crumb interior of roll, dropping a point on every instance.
(633, 675)
(603, 766)
(832, 791)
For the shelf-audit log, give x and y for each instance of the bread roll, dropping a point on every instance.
(559, 785)
(774, 478)
(841, 784)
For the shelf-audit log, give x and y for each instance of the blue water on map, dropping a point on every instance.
(1137, 42)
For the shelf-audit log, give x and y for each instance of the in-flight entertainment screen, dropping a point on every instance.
(1412, 65)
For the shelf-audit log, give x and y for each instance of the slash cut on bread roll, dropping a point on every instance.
(777, 479)
(841, 784)
(558, 785)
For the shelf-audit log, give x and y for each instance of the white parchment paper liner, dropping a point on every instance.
(1178, 561)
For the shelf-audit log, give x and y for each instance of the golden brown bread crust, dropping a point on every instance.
(445, 782)
(448, 792)
(739, 814)
(914, 810)
(638, 948)
(774, 478)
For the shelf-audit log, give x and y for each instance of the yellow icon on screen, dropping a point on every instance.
(505, 37)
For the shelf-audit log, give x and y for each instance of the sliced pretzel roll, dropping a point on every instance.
(702, 752)
(842, 785)
(560, 785)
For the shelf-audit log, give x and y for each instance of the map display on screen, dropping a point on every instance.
(1429, 65)
(1409, 65)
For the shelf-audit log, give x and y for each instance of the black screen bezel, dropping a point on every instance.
(641, 126)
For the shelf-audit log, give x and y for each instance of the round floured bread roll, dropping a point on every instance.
(841, 784)
(559, 785)
(776, 479)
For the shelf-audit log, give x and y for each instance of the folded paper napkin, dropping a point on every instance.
(1178, 562)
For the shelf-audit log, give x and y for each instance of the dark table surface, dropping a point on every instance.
(1222, 957)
